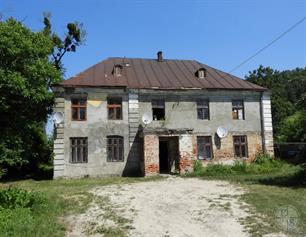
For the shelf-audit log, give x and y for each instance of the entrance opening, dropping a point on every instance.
(168, 155)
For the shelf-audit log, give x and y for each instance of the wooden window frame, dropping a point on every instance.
(203, 106)
(114, 107)
(238, 107)
(240, 144)
(205, 144)
(78, 106)
(158, 104)
(75, 147)
(115, 148)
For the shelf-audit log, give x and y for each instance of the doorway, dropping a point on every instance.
(168, 155)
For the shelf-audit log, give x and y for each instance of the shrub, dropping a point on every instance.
(18, 198)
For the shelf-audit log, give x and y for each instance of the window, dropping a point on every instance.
(114, 106)
(203, 109)
(114, 148)
(79, 149)
(238, 109)
(158, 109)
(204, 148)
(201, 73)
(78, 109)
(240, 146)
(117, 70)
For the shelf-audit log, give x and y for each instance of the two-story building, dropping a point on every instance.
(103, 132)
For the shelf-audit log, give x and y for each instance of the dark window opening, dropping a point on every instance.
(79, 149)
(238, 109)
(240, 146)
(115, 150)
(114, 106)
(204, 148)
(158, 109)
(78, 109)
(203, 110)
(117, 71)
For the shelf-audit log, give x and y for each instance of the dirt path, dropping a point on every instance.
(174, 207)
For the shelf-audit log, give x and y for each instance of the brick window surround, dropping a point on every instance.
(240, 146)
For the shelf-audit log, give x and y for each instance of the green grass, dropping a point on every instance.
(269, 186)
(62, 198)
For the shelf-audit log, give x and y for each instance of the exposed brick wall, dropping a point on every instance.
(187, 146)
(151, 154)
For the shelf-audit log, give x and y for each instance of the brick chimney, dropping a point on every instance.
(160, 56)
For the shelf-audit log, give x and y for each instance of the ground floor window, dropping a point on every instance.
(240, 146)
(204, 148)
(79, 149)
(114, 149)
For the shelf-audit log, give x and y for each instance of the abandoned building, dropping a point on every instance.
(130, 116)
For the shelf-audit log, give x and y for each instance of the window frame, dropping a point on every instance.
(238, 107)
(78, 108)
(115, 148)
(203, 107)
(117, 71)
(159, 106)
(114, 107)
(205, 144)
(75, 146)
(240, 144)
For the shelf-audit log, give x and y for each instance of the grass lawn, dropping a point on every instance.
(267, 192)
(62, 197)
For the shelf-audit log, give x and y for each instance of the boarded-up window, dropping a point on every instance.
(115, 150)
(79, 149)
(114, 105)
(240, 146)
(238, 109)
(203, 109)
(158, 109)
(78, 109)
(204, 148)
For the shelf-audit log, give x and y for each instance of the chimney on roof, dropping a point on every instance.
(160, 56)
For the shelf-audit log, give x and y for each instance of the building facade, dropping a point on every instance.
(103, 132)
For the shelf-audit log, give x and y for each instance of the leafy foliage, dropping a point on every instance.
(288, 101)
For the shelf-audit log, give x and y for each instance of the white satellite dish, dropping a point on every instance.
(58, 117)
(146, 118)
(222, 132)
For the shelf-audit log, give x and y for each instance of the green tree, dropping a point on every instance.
(288, 100)
(27, 69)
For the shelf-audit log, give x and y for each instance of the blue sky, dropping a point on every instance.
(219, 33)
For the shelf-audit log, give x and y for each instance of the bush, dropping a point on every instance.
(18, 198)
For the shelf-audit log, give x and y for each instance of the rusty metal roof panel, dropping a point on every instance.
(152, 74)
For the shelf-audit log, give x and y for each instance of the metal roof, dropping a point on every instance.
(138, 73)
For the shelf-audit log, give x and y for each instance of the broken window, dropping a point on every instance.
(114, 148)
(204, 148)
(79, 149)
(158, 109)
(117, 71)
(114, 106)
(203, 109)
(238, 109)
(78, 109)
(240, 146)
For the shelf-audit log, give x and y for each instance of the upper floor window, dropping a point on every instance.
(115, 149)
(201, 73)
(204, 148)
(79, 149)
(240, 146)
(78, 109)
(238, 109)
(114, 106)
(203, 109)
(117, 71)
(158, 109)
